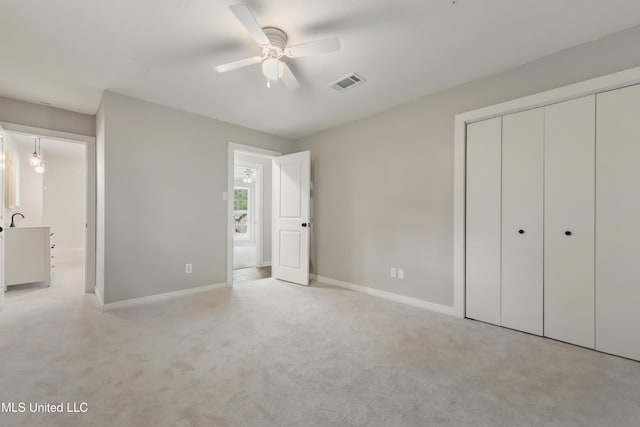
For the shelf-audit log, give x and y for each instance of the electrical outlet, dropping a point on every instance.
(401, 273)
(225, 195)
(188, 268)
(394, 272)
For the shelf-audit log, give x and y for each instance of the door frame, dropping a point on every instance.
(90, 185)
(3, 165)
(565, 93)
(254, 151)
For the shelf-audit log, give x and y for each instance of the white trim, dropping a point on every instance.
(414, 302)
(266, 264)
(576, 90)
(2, 220)
(159, 297)
(241, 148)
(47, 133)
(99, 297)
(588, 87)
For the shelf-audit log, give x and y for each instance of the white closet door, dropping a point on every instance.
(569, 207)
(618, 222)
(522, 220)
(484, 141)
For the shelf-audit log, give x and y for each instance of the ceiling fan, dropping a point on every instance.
(273, 42)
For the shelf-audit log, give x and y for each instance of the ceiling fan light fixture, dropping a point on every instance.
(248, 176)
(272, 68)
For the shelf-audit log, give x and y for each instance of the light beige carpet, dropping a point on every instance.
(277, 354)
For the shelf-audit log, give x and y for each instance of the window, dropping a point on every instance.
(240, 199)
(241, 209)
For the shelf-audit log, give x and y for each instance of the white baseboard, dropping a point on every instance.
(159, 297)
(266, 264)
(415, 302)
(99, 297)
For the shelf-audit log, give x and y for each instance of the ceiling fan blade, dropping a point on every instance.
(237, 64)
(312, 48)
(289, 79)
(250, 22)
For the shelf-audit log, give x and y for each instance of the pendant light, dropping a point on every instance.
(35, 158)
(40, 167)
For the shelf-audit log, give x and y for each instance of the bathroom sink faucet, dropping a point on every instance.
(12, 216)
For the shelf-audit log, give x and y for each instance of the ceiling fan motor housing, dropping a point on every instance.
(278, 39)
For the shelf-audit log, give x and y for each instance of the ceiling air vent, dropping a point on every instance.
(348, 82)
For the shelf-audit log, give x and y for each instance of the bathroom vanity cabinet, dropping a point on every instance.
(27, 255)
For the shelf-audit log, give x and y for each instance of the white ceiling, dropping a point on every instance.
(66, 52)
(240, 172)
(50, 147)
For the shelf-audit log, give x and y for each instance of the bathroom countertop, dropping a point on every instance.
(26, 226)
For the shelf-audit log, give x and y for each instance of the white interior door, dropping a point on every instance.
(291, 217)
(617, 222)
(484, 170)
(569, 237)
(2, 219)
(522, 220)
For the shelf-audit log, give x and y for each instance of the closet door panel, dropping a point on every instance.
(522, 220)
(618, 222)
(483, 220)
(569, 206)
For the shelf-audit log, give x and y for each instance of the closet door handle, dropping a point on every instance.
(521, 231)
(568, 233)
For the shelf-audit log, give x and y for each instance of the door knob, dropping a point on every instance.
(521, 231)
(304, 224)
(567, 233)
(1, 229)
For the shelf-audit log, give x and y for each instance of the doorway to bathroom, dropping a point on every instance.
(45, 217)
(250, 213)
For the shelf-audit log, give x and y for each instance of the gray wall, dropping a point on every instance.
(383, 186)
(40, 116)
(165, 172)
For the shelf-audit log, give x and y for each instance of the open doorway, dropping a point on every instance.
(45, 216)
(247, 215)
(249, 198)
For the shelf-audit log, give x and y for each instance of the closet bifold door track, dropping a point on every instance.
(522, 221)
(618, 222)
(569, 221)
